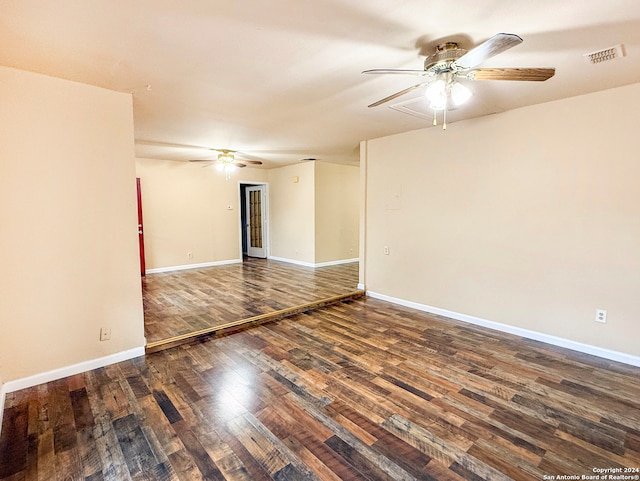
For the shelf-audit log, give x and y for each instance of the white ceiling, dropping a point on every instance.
(281, 80)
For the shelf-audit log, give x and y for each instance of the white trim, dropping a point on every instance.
(241, 227)
(66, 371)
(361, 287)
(158, 270)
(291, 261)
(63, 372)
(260, 252)
(518, 331)
(311, 264)
(192, 266)
(338, 262)
(3, 395)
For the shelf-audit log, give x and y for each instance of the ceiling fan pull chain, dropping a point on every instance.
(444, 116)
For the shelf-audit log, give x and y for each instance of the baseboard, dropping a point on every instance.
(518, 331)
(291, 261)
(361, 287)
(66, 371)
(337, 263)
(158, 270)
(311, 264)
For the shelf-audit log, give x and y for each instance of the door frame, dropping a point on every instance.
(242, 186)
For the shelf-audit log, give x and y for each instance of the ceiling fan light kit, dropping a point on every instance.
(444, 94)
(226, 165)
(449, 63)
(227, 162)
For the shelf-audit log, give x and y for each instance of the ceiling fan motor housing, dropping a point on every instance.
(444, 56)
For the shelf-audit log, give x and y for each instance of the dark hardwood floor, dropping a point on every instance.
(180, 304)
(355, 391)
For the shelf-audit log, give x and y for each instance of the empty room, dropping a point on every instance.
(278, 240)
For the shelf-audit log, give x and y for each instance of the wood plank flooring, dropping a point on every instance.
(177, 304)
(358, 391)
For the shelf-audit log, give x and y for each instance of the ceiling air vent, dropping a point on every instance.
(605, 55)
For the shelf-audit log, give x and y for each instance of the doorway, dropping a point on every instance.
(254, 220)
(143, 269)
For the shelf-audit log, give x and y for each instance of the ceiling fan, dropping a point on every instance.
(227, 161)
(449, 64)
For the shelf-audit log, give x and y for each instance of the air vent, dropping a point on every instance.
(605, 55)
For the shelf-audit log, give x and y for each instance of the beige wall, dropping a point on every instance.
(185, 210)
(529, 218)
(337, 200)
(185, 206)
(69, 252)
(292, 216)
(314, 212)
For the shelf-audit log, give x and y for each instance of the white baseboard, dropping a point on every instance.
(292, 261)
(518, 331)
(63, 372)
(361, 287)
(311, 264)
(337, 263)
(66, 371)
(192, 266)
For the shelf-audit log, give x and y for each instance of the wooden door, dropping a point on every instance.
(140, 229)
(256, 221)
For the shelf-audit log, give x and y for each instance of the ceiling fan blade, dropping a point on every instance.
(238, 164)
(224, 151)
(396, 95)
(495, 45)
(396, 71)
(202, 160)
(530, 74)
(255, 162)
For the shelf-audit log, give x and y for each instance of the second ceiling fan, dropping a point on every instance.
(228, 157)
(450, 63)
(227, 161)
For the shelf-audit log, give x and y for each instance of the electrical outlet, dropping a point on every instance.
(386, 250)
(601, 315)
(105, 333)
